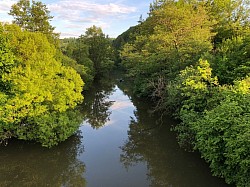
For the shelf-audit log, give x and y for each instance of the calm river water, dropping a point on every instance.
(119, 144)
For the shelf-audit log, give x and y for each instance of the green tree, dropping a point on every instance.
(215, 120)
(76, 55)
(34, 17)
(7, 59)
(7, 62)
(231, 61)
(100, 49)
(40, 87)
(175, 35)
(231, 18)
(222, 135)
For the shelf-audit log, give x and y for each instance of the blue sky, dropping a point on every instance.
(72, 17)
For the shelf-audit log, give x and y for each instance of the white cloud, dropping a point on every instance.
(69, 34)
(79, 13)
(5, 5)
(79, 6)
(118, 105)
(87, 12)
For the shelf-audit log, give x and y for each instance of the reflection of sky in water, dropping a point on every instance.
(102, 148)
(121, 101)
(122, 109)
(118, 105)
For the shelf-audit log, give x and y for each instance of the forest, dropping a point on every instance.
(191, 58)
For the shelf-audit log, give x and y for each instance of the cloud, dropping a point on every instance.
(79, 11)
(118, 105)
(6, 5)
(79, 6)
(75, 14)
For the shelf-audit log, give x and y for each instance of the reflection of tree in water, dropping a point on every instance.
(99, 112)
(145, 142)
(96, 104)
(143, 146)
(24, 164)
(150, 141)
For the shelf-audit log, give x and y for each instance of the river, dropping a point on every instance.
(120, 143)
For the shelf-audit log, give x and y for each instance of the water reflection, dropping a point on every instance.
(151, 142)
(147, 149)
(96, 104)
(102, 152)
(27, 164)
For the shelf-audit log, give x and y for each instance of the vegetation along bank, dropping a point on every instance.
(190, 57)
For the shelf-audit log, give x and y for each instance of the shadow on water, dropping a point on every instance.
(151, 141)
(27, 164)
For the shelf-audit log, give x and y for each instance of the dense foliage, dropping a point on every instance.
(92, 54)
(33, 16)
(169, 41)
(37, 92)
(192, 59)
(76, 55)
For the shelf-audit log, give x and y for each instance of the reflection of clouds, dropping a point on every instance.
(108, 123)
(121, 105)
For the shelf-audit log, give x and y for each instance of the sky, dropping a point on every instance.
(72, 17)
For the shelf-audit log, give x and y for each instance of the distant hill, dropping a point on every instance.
(125, 37)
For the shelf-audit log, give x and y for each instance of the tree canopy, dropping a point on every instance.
(38, 87)
(32, 16)
(93, 50)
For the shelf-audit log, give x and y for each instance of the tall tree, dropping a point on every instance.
(34, 16)
(100, 49)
